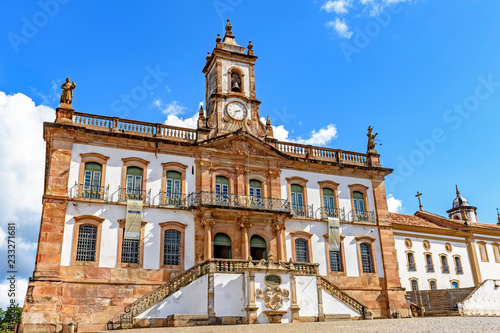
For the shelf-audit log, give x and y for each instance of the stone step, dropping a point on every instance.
(441, 313)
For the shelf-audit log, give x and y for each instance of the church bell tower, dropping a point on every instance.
(231, 104)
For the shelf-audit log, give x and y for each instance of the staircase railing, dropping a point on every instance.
(335, 291)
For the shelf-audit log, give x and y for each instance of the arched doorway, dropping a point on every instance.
(222, 246)
(258, 248)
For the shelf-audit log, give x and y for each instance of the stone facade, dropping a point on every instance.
(216, 164)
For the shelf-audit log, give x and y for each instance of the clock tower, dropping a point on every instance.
(231, 104)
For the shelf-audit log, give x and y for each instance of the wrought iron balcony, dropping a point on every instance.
(412, 267)
(238, 201)
(89, 192)
(445, 269)
(303, 211)
(141, 195)
(326, 212)
(173, 199)
(460, 270)
(361, 216)
(429, 268)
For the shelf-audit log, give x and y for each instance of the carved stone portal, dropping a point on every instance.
(273, 297)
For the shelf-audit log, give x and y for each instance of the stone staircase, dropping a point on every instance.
(212, 266)
(441, 302)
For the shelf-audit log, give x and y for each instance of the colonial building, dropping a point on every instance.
(223, 206)
(436, 252)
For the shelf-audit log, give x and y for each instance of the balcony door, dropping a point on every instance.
(134, 183)
(258, 248)
(92, 181)
(359, 206)
(297, 194)
(255, 192)
(222, 189)
(329, 202)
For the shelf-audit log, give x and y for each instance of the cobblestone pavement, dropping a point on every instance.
(434, 325)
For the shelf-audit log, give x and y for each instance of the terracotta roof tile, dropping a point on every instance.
(413, 220)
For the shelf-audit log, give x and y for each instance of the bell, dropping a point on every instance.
(235, 87)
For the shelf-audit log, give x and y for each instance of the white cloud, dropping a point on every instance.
(174, 120)
(172, 108)
(338, 6)
(21, 286)
(394, 205)
(316, 138)
(340, 27)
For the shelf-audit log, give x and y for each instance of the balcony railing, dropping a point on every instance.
(358, 216)
(325, 212)
(460, 270)
(412, 267)
(238, 201)
(173, 199)
(445, 269)
(303, 211)
(429, 268)
(89, 192)
(141, 195)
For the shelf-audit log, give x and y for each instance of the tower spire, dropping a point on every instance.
(458, 192)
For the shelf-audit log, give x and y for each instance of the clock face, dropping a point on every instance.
(236, 110)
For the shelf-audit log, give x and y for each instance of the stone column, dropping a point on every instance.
(279, 228)
(321, 316)
(245, 245)
(207, 250)
(252, 307)
(395, 294)
(294, 307)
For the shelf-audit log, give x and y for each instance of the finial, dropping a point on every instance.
(208, 56)
(458, 192)
(201, 113)
(419, 202)
(228, 28)
(250, 48)
(218, 39)
(269, 128)
(268, 121)
(498, 214)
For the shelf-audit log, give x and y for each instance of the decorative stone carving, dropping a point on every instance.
(273, 297)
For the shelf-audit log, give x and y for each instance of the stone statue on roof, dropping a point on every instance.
(67, 93)
(371, 139)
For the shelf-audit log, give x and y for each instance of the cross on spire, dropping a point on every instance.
(419, 202)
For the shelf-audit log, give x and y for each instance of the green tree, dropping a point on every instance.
(9, 318)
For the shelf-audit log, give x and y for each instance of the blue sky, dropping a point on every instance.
(424, 74)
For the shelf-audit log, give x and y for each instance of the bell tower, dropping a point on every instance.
(231, 104)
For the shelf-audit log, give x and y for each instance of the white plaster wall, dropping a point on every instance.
(285, 284)
(489, 269)
(350, 231)
(190, 300)
(114, 167)
(307, 295)
(110, 228)
(331, 305)
(229, 295)
(437, 248)
(318, 229)
(245, 68)
(313, 191)
(485, 301)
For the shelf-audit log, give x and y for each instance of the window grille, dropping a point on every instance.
(172, 248)
(366, 258)
(130, 251)
(301, 251)
(335, 261)
(86, 246)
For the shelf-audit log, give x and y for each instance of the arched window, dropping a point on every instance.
(301, 250)
(236, 84)
(432, 284)
(134, 183)
(366, 258)
(329, 202)
(174, 184)
(429, 265)
(454, 284)
(444, 265)
(92, 181)
(87, 241)
(222, 246)
(482, 251)
(222, 189)
(411, 262)
(458, 265)
(258, 248)
(255, 188)
(414, 284)
(172, 247)
(359, 206)
(496, 251)
(297, 194)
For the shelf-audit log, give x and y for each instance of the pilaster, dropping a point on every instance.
(251, 307)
